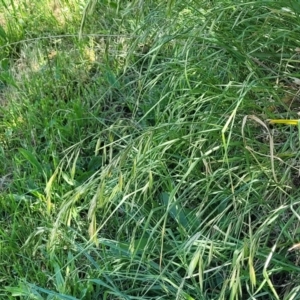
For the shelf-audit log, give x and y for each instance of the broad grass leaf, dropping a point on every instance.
(111, 79)
(48, 189)
(3, 36)
(59, 280)
(112, 288)
(175, 210)
(7, 79)
(24, 290)
(68, 179)
(32, 159)
(51, 293)
(252, 274)
(194, 262)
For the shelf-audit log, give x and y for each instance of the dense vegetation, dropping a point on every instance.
(137, 161)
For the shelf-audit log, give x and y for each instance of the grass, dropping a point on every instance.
(136, 157)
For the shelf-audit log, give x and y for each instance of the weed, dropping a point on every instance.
(137, 162)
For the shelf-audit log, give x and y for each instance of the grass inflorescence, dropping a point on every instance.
(137, 161)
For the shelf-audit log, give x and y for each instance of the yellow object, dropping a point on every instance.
(284, 121)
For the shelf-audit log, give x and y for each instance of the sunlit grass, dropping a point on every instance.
(138, 160)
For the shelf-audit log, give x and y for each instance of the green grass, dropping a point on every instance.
(136, 157)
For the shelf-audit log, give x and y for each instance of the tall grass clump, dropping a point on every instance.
(138, 162)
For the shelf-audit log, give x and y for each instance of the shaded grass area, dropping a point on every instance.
(136, 159)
